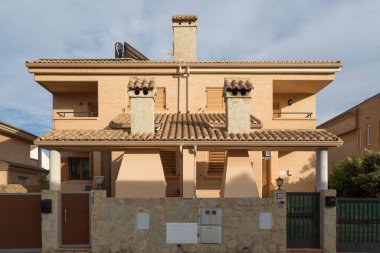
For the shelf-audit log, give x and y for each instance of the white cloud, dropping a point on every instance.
(344, 30)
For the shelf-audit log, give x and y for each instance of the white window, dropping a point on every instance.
(369, 134)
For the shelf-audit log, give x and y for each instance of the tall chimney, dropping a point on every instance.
(185, 37)
(237, 94)
(141, 94)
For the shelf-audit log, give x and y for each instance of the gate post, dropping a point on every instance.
(327, 223)
(50, 222)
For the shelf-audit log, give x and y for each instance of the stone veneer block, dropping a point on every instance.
(327, 223)
(185, 41)
(238, 111)
(50, 222)
(142, 114)
(113, 224)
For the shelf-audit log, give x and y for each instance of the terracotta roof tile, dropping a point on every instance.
(191, 127)
(183, 120)
(184, 18)
(173, 132)
(139, 84)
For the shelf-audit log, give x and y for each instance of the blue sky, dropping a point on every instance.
(238, 30)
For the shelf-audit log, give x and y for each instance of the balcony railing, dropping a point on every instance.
(77, 114)
(279, 114)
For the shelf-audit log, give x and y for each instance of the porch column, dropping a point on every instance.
(188, 173)
(55, 170)
(322, 169)
(238, 177)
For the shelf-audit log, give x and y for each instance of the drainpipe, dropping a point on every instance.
(179, 88)
(181, 170)
(195, 171)
(187, 88)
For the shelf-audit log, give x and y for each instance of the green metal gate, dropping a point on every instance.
(358, 225)
(302, 224)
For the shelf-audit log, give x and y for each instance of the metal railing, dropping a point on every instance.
(358, 224)
(307, 114)
(77, 114)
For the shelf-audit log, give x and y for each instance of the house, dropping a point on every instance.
(165, 138)
(358, 127)
(20, 161)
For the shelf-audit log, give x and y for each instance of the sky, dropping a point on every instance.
(346, 30)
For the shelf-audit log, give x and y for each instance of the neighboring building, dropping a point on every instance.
(185, 128)
(358, 127)
(19, 158)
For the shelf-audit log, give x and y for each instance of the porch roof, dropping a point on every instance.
(188, 129)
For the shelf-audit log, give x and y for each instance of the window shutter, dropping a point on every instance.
(216, 161)
(168, 163)
(160, 99)
(276, 110)
(215, 99)
(64, 168)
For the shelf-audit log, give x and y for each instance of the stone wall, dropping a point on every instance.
(113, 224)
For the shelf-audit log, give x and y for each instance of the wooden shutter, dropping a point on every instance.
(168, 163)
(276, 110)
(64, 168)
(160, 99)
(215, 99)
(216, 161)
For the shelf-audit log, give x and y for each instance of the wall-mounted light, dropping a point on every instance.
(290, 101)
(99, 182)
(279, 183)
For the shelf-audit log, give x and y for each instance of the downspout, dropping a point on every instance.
(179, 88)
(181, 170)
(195, 171)
(187, 88)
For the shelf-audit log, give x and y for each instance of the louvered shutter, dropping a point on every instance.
(216, 161)
(168, 163)
(64, 169)
(160, 99)
(215, 99)
(276, 110)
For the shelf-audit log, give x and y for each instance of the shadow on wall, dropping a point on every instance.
(304, 184)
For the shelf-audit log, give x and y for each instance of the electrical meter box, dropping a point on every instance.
(210, 234)
(210, 216)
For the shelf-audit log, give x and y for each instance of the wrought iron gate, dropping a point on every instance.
(302, 224)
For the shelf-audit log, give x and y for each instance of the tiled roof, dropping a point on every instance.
(184, 18)
(238, 85)
(190, 133)
(218, 120)
(200, 128)
(129, 61)
(141, 84)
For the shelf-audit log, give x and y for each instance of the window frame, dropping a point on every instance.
(207, 99)
(81, 168)
(369, 134)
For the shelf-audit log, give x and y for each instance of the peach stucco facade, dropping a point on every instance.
(282, 98)
(358, 127)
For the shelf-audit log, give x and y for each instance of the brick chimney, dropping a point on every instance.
(237, 94)
(141, 94)
(185, 37)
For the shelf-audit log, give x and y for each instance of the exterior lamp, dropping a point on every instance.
(290, 101)
(279, 183)
(99, 182)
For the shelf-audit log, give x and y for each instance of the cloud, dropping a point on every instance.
(286, 30)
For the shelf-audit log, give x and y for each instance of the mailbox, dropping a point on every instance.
(46, 206)
(330, 201)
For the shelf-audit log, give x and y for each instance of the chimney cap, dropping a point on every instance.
(184, 18)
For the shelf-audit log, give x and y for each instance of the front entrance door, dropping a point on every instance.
(75, 219)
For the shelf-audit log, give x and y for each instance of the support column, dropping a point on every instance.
(238, 177)
(322, 169)
(188, 173)
(327, 223)
(50, 227)
(55, 170)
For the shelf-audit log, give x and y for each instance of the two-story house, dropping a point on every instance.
(20, 161)
(185, 127)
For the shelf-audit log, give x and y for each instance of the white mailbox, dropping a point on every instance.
(210, 234)
(142, 220)
(182, 233)
(211, 216)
